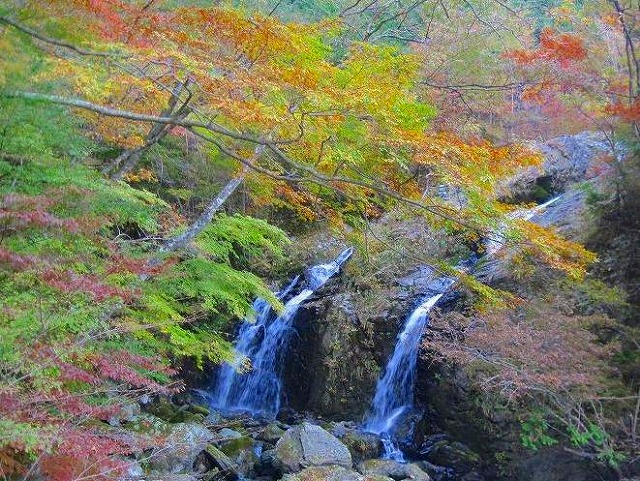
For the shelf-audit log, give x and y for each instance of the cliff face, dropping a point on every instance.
(344, 339)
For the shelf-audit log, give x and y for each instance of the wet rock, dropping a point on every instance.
(362, 445)
(309, 445)
(393, 469)
(331, 473)
(271, 433)
(183, 443)
(455, 455)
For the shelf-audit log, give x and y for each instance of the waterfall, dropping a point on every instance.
(264, 343)
(394, 390)
(497, 238)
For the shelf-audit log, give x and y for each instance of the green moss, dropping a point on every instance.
(234, 447)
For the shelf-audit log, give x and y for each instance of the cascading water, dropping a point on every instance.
(497, 240)
(264, 342)
(394, 390)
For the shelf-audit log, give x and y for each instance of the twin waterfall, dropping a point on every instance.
(253, 382)
(263, 343)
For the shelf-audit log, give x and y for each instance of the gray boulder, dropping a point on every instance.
(331, 473)
(309, 445)
(392, 469)
(183, 443)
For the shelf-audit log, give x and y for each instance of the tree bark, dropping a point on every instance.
(205, 217)
(127, 160)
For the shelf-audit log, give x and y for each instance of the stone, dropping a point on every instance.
(362, 445)
(134, 471)
(227, 433)
(309, 445)
(170, 477)
(266, 467)
(331, 473)
(127, 413)
(219, 459)
(453, 454)
(271, 433)
(198, 409)
(392, 469)
(235, 446)
(183, 443)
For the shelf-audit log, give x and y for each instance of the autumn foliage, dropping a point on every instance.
(123, 120)
(561, 48)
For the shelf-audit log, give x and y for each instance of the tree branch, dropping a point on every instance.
(53, 41)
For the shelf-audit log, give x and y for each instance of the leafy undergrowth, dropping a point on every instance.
(551, 361)
(87, 321)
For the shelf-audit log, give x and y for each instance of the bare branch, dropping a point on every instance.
(53, 41)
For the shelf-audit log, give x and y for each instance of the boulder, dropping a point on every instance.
(309, 445)
(127, 413)
(455, 455)
(236, 446)
(181, 446)
(331, 473)
(362, 445)
(226, 433)
(170, 477)
(271, 433)
(133, 472)
(267, 467)
(392, 469)
(219, 459)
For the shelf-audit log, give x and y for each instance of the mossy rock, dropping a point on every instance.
(166, 410)
(455, 455)
(271, 433)
(387, 468)
(234, 447)
(362, 445)
(197, 409)
(331, 473)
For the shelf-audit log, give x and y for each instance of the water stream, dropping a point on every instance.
(261, 347)
(395, 389)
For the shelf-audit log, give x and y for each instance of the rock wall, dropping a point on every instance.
(341, 347)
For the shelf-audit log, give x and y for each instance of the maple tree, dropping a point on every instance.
(331, 119)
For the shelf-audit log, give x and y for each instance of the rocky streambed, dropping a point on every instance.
(190, 443)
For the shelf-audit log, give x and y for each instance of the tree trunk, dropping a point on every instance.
(205, 217)
(127, 160)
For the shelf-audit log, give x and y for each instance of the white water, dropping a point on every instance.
(394, 390)
(498, 239)
(264, 343)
